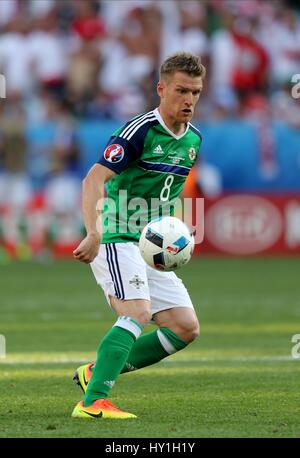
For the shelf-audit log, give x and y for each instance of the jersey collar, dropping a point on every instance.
(161, 121)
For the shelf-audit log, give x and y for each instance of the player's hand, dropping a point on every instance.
(88, 248)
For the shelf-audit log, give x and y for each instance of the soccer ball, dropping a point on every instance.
(166, 243)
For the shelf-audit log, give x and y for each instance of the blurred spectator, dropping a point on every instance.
(284, 46)
(82, 77)
(50, 57)
(132, 59)
(192, 34)
(15, 185)
(251, 65)
(258, 111)
(16, 56)
(223, 57)
(87, 24)
(239, 62)
(64, 151)
(40, 8)
(63, 190)
(8, 9)
(62, 206)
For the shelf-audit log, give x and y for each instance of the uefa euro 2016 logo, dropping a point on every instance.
(114, 153)
(2, 87)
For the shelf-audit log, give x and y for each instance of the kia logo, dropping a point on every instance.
(243, 224)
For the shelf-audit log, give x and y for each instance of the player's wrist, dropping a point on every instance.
(95, 235)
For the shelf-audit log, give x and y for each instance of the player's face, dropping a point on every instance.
(179, 94)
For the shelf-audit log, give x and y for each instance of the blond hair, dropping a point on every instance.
(184, 62)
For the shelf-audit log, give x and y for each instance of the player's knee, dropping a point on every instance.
(194, 332)
(191, 332)
(143, 317)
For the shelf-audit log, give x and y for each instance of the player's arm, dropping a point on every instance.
(92, 202)
(118, 154)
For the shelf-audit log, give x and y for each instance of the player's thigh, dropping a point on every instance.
(167, 291)
(171, 304)
(120, 270)
(182, 321)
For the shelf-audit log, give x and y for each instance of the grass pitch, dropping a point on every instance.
(237, 380)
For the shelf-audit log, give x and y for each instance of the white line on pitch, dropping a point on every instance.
(64, 359)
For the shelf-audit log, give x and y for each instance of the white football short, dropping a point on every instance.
(121, 272)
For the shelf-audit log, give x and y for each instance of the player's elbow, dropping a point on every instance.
(87, 180)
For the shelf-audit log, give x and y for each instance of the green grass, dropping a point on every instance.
(237, 380)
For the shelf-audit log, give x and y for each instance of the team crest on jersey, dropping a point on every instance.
(137, 282)
(192, 154)
(114, 153)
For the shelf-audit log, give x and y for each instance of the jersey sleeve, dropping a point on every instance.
(118, 154)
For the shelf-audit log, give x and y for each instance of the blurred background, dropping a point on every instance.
(75, 70)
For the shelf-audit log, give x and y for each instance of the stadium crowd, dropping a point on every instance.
(100, 58)
(70, 60)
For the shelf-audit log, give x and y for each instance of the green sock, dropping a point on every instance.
(112, 354)
(152, 347)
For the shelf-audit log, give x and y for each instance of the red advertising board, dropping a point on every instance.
(234, 225)
(248, 224)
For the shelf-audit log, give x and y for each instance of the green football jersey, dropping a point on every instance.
(151, 165)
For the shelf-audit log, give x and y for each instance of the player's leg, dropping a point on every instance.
(115, 347)
(178, 325)
(112, 355)
(171, 337)
(182, 321)
(173, 311)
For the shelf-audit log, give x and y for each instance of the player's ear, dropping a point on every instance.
(160, 88)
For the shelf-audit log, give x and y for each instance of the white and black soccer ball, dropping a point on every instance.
(166, 243)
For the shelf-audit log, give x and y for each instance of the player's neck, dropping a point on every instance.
(178, 128)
